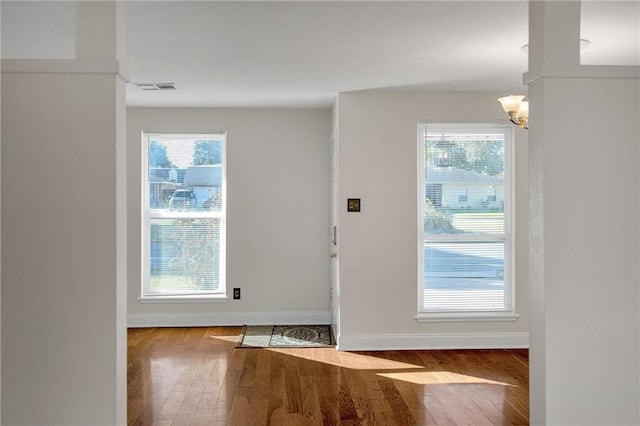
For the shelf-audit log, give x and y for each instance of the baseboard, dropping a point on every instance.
(228, 319)
(379, 342)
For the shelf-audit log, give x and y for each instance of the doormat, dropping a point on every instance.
(285, 336)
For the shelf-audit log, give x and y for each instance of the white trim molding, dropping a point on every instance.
(205, 298)
(205, 319)
(581, 71)
(465, 316)
(382, 342)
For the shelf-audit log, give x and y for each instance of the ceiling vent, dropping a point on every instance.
(156, 86)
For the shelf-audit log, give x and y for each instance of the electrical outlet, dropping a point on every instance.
(236, 293)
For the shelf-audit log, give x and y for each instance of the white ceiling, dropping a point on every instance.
(301, 54)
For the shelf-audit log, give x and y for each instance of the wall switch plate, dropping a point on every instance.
(236, 293)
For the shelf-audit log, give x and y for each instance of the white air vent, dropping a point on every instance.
(156, 86)
(166, 86)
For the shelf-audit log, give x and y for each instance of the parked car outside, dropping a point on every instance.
(183, 199)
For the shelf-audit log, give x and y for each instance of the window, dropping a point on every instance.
(183, 216)
(465, 239)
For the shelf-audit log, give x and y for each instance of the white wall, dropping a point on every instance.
(586, 282)
(377, 135)
(584, 210)
(335, 265)
(0, 229)
(277, 215)
(60, 332)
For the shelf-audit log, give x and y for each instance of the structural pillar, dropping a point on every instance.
(584, 237)
(63, 229)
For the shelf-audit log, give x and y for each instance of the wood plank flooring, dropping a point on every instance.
(196, 376)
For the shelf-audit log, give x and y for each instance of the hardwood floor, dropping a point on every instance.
(184, 376)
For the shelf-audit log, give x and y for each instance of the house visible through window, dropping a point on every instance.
(465, 206)
(183, 215)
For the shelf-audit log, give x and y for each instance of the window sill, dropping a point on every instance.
(466, 316)
(208, 298)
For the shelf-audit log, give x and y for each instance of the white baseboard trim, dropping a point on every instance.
(228, 318)
(380, 342)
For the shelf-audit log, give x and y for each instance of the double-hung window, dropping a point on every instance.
(183, 216)
(465, 209)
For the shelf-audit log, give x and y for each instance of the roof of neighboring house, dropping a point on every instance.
(454, 175)
(158, 174)
(203, 176)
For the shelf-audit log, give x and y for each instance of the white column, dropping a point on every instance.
(63, 229)
(584, 228)
(0, 228)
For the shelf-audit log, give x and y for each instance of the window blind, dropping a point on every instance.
(465, 251)
(183, 215)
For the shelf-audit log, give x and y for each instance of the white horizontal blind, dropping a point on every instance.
(465, 253)
(183, 210)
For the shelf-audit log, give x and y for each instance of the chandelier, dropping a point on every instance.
(517, 109)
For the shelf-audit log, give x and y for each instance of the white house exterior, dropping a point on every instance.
(204, 180)
(454, 188)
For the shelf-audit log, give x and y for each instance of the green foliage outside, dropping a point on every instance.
(207, 153)
(158, 155)
(436, 222)
(172, 283)
(191, 254)
(485, 156)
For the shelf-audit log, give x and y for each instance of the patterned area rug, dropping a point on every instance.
(285, 336)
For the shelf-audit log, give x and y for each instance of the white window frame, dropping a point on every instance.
(509, 232)
(147, 215)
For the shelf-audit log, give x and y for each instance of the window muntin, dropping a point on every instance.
(183, 215)
(465, 240)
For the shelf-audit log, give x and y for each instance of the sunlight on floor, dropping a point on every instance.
(439, 377)
(232, 339)
(357, 361)
(345, 359)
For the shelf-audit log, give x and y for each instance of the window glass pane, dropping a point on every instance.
(464, 190)
(465, 224)
(464, 276)
(183, 215)
(184, 255)
(185, 174)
